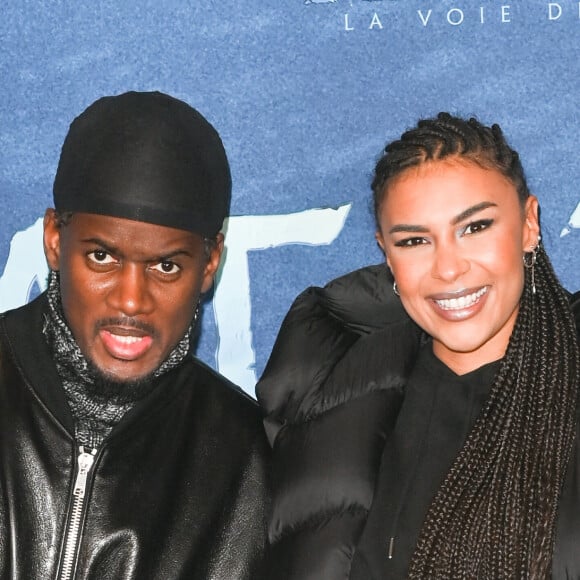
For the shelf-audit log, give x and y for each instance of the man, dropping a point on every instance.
(123, 457)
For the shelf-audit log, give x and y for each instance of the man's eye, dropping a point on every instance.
(167, 267)
(410, 242)
(478, 226)
(101, 257)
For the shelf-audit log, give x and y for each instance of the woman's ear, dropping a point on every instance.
(51, 239)
(381, 242)
(531, 230)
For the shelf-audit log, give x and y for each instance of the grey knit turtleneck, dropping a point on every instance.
(97, 404)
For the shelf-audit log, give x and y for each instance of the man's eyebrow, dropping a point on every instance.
(154, 258)
(174, 254)
(412, 228)
(104, 245)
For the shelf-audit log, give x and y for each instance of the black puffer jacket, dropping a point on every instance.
(177, 491)
(331, 393)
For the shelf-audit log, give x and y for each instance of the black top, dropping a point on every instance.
(438, 411)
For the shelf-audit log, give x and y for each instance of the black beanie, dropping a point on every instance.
(147, 157)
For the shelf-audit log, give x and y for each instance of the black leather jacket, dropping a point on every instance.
(177, 491)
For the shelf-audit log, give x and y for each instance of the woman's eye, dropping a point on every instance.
(476, 227)
(410, 242)
(101, 257)
(167, 267)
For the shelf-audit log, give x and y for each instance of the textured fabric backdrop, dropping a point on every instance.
(305, 94)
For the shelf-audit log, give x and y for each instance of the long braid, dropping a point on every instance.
(494, 515)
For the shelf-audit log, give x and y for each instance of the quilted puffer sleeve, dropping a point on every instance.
(331, 392)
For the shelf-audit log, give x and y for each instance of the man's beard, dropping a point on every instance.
(106, 385)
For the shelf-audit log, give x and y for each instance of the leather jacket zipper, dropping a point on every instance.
(69, 558)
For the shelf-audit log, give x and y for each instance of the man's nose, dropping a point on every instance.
(131, 293)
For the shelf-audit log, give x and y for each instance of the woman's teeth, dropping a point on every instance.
(461, 301)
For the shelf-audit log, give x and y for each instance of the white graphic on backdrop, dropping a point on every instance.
(235, 358)
(25, 268)
(232, 308)
(574, 220)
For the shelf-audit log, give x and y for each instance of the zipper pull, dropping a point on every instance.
(391, 547)
(85, 461)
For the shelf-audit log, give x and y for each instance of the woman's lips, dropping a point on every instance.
(125, 345)
(459, 305)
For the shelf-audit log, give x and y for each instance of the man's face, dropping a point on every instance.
(129, 289)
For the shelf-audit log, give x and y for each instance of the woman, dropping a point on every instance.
(435, 437)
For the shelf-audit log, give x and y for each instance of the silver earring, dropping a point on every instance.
(195, 316)
(395, 289)
(529, 263)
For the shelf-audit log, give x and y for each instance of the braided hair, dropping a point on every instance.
(494, 515)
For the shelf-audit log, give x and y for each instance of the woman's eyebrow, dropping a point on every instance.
(408, 228)
(413, 228)
(471, 211)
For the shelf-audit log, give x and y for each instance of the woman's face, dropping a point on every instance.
(454, 235)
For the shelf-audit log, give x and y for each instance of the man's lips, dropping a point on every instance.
(125, 343)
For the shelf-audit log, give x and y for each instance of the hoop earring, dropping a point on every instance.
(395, 289)
(529, 263)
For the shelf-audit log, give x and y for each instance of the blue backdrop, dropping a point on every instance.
(305, 94)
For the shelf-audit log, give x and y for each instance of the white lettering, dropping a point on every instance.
(554, 11)
(424, 19)
(457, 16)
(460, 16)
(505, 14)
(347, 23)
(376, 21)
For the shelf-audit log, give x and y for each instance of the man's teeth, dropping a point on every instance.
(462, 301)
(127, 339)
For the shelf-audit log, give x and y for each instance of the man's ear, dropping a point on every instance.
(51, 239)
(212, 263)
